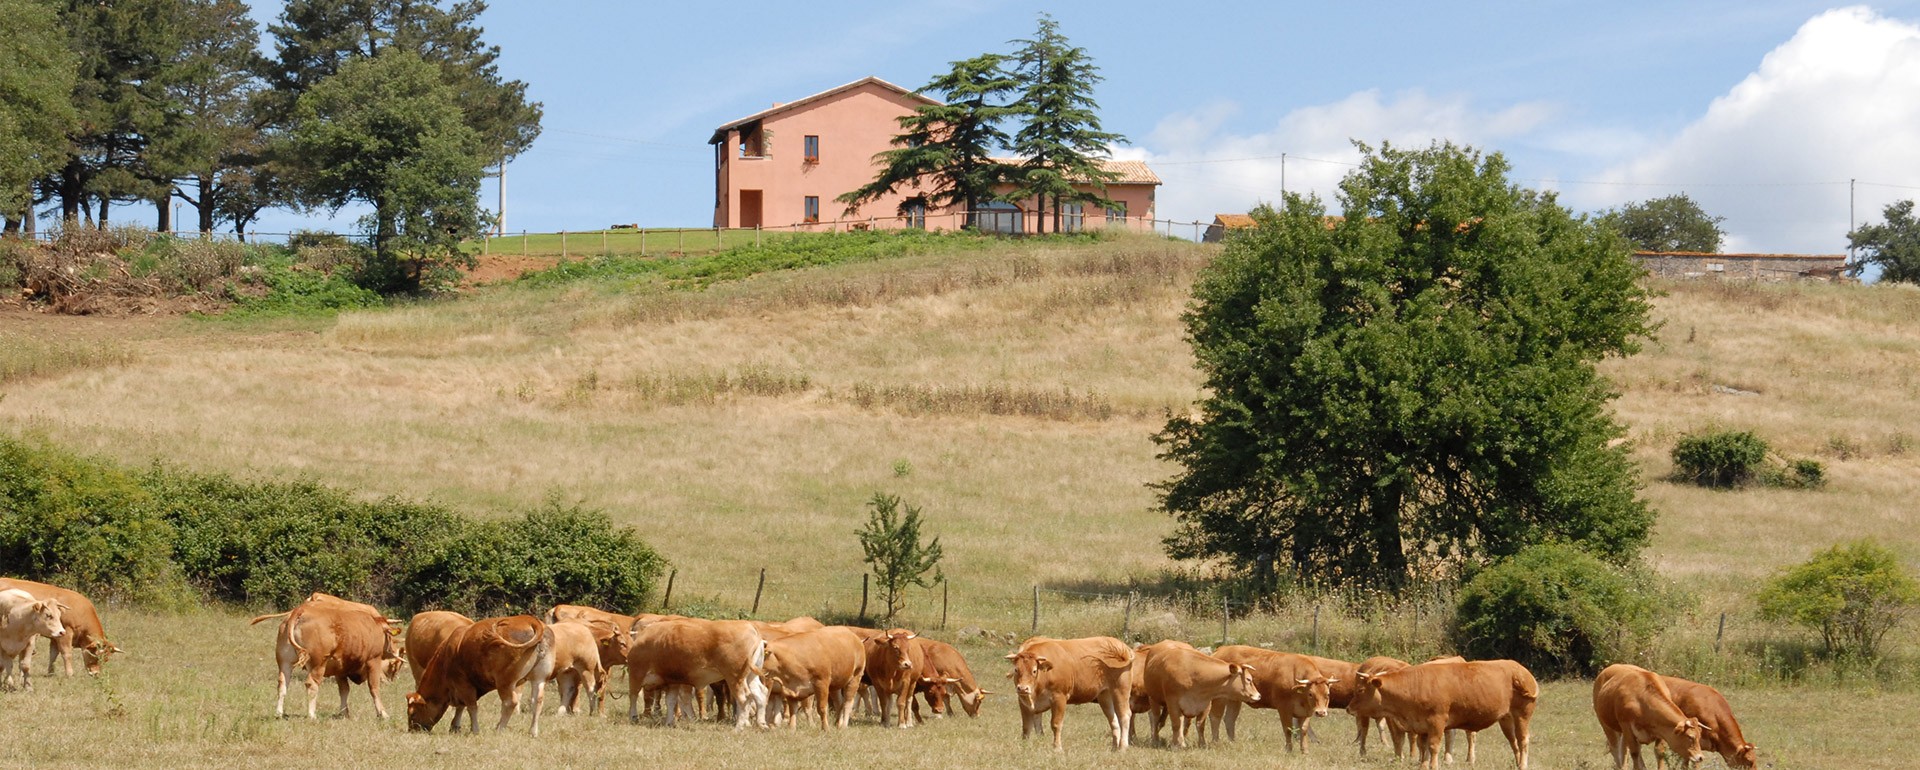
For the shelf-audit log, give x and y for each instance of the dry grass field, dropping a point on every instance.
(1011, 392)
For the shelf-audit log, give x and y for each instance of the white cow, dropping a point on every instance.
(22, 618)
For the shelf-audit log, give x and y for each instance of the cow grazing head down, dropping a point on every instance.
(98, 653)
(1747, 756)
(1690, 732)
(971, 700)
(422, 714)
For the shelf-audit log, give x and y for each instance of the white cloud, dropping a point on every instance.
(1838, 101)
(1208, 170)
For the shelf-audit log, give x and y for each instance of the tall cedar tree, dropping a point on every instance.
(36, 111)
(1060, 142)
(1411, 387)
(1673, 223)
(891, 542)
(1893, 245)
(315, 38)
(212, 84)
(124, 49)
(947, 149)
(387, 132)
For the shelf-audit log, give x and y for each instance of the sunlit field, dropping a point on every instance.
(1011, 392)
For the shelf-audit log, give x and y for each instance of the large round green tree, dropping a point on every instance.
(1394, 392)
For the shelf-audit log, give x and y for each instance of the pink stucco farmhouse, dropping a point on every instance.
(782, 168)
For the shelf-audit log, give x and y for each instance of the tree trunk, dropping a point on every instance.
(164, 222)
(204, 206)
(1390, 556)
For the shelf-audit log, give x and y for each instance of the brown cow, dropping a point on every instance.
(1635, 707)
(689, 653)
(949, 676)
(332, 637)
(824, 664)
(1290, 684)
(22, 618)
(1365, 713)
(1427, 700)
(576, 664)
(491, 654)
(1139, 703)
(427, 632)
(81, 622)
(1341, 674)
(1722, 731)
(1186, 682)
(1051, 674)
(895, 664)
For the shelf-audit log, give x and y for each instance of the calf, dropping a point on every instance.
(1721, 732)
(1052, 674)
(492, 654)
(81, 626)
(427, 632)
(824, 664)
(22, 618)
(1635, 707)
(1290, 684)
(1186, 683)
(332, 637)
(1427, 700)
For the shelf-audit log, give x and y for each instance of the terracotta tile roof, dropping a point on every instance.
(720, 134)
(1233, 220)
(1130, 171)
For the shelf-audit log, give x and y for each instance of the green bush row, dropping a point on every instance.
(166, 536)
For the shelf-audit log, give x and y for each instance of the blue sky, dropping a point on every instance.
(1760, 110)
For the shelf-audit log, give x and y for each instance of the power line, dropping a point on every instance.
(609, 137)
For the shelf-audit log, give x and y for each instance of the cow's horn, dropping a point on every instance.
(1333, 681)
(1302, 681)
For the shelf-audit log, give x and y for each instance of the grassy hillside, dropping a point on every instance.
(1010, 390)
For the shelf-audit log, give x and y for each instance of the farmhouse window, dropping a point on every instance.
(813, 208)
(1117, 213)
(812, 149)
(916, 215)
(1073, 217)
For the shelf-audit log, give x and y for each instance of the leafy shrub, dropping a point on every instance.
(1853, 594)
(1722, 459)
(152, 535)
(1558, 610)
(553, 554)
(272, 544)
(292, 290)
(68, 520)
(1799, 474)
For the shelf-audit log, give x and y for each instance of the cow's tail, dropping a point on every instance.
(270, 617)
(539, 638)
(300, 659)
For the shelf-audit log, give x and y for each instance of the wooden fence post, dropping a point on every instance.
(563, 244)
(1126, 618)
(759, 588)
(1226, 611)
(667, 602)
(1721, 634)
(943, 604)
(1316, 629)
(643, 242)
(1036, 609)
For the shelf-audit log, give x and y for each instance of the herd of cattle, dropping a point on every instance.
(770, 673)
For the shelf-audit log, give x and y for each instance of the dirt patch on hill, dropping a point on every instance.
(496, 268)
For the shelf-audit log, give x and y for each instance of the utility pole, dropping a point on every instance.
(1283, 180)
(1850, 220)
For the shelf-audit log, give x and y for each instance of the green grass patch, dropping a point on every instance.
(785, 253)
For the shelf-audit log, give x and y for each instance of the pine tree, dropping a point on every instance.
(947, 149)
(36, 112)
(1060, 141)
